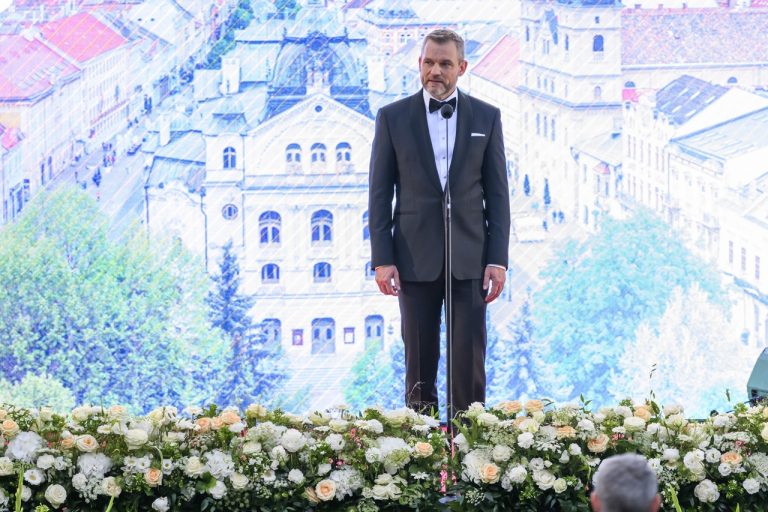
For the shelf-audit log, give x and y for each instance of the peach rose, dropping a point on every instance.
(732, 458)
(566, 432)
(423, 449)
(230, 417)
(204, 424)
(534, 405)
(9, 427)
(67, 443)
(642, 411)
(490, 473)
(86, 443)
(153, 477)
(598, 444)
(325, 490)
(509, 407)
(518, 421)
(216, 423)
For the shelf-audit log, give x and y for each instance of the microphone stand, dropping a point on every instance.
(446, 111)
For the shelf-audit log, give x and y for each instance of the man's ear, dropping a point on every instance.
(595, 501)
(462, 66)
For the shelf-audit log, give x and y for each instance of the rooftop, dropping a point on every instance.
(501, 64)
(81, 36)
(685, 97)
(736, 137)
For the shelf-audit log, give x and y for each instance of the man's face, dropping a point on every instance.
(440, 68)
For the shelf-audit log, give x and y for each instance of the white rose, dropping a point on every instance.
(323, 469)
(336, 442)
(293, 440)
(296, 476)
(623, 410)
(672, 409)
(338, 425)
(110, 487)
(279, 454)
(56, 495)
(26, 493)
(517, 474)
(239, 481)
(670, 455)
(251, 447)
(136, 438)
(560, 485)
(475, 409)
(80, 414)
(544, 479)
(45, 461)
(525, 440)
(46, 413)
(6, 466)
(487, 419)
(634, 424)
(195, 467)
(725, 469)
(751, 485)
(373, 455)
(161, 505)
(706, 491)
(218, 490)
(461, 442)
(501, 453)
(564, 457)
(574, 449)
(86, 443)
(712, 455)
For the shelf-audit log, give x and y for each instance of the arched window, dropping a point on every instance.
(567, 43)
(293, 153)
(552, 125)
(538, 124)
(230, 157)
(598, 92)
(343, 152)
(323, 336)
(374, 329)
(322, 272)
(629, 85)
(370, 272)
(318, 152)
(269, 228)
(598, 43)
(366, 229)
(272, 330)
(322, 226)
(733, 80)
(270, 273)
(546, 127)
(527, 33)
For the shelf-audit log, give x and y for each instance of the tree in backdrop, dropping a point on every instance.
(256, 368)
(374, 379)
(689, 358)
(599, 291)
(111, 318)
(36, 391)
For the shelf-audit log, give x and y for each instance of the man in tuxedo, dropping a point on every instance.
(410, 161)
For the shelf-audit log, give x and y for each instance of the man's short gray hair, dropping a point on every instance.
(625, 483)
(444, 36)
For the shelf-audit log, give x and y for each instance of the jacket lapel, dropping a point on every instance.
(463, 124)
(423, 142)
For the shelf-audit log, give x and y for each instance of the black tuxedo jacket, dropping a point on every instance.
(411, 236)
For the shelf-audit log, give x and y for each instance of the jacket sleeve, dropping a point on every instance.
(496, 195)
(381, 188)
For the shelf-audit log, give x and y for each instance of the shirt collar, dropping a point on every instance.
(427, 97)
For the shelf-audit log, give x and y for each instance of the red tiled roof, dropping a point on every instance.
(27, 67)
(668, 36)
(9, 137)
(81, 36)
(501, 64)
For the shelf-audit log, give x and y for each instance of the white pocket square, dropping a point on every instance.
(478, 134)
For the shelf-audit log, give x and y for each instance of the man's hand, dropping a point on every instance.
(494, 277)
(388, 279)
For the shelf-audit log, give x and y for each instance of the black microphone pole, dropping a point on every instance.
(446, 111)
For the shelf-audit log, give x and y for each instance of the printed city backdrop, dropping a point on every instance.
(184, 198)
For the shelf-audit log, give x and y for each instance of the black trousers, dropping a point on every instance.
(421, 305)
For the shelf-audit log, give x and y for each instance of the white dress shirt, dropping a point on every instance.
(438, 135)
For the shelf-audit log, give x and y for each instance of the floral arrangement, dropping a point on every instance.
(513, 456)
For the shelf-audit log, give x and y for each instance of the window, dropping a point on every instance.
(527, 34)
(272, 330)
(552, 124)
(323, 336)
(567, 43)
(349, 335)
(629, 85)
(730, 252)
(366, 229)
(546, 127)
(318, 152)
(297, 337)
(598, 44)
(598, 93)
(322, 272)
(230, 158)
(374, 330)
(757, 268)
(370, 272)
(269, 228)
(270, 273)
(538, 123)
(733, 80)
(229, 212)
(343, 152)
(322, 226)
(743, 259)
(293, 153)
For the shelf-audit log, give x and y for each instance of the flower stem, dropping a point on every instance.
(111, 501)
(19, 489)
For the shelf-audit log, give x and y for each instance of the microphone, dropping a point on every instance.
(446, 111)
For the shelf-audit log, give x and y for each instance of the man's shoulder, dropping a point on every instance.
(480, 104)
(401, 104)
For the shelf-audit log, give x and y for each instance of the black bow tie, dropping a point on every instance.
(435, 105)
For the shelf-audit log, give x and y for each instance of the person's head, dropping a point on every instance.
(625, 483)
(441, 62)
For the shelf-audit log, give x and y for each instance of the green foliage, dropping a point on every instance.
(115, 321)
(600, 290)
(374, 379)
(36, 391)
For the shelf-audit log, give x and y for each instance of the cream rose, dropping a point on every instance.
(195, 467)
(46, 414)
(153, 477)
(534, 405)
(217, 423)
(642, 411)
(487, 419)
(423, 450)
(82, 413)
(239, 481)
(255, 411)
(251, 447)
(325, 490)
(489, 473)
(67, 443)
(56, 495)
(136, 438)
(566, 432)
(6, 466)
(598, 444)
(86, 443)
(110, 487)
(732, 458)
(230, 417)
(117, 412)
(204, 424)
(634, 424)
(9, 428)
(509, 407)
